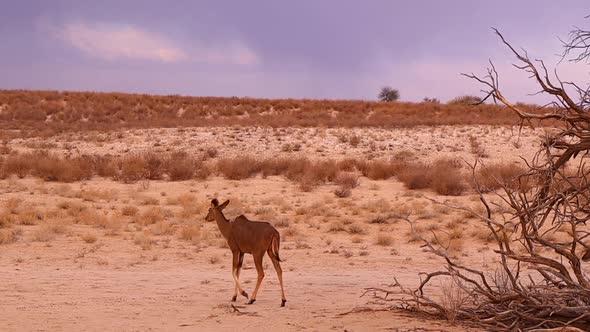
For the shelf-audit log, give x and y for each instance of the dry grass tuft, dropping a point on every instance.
(214, 259)
(8, 236)
(48, 232)
(163, 228)
(150, 216)
(356, 229)
(191, 233)
(384, 240)
(453, 298)
(342, 192)
(129, 211)
(144, 241)
(89, 237)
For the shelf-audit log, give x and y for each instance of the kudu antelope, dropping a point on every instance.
(252, 237)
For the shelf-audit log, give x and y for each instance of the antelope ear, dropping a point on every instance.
(222, 206)
(214, 202)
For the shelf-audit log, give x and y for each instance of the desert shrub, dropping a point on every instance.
(52, 168)
(154, 166)
(104, 166)
(238, 168)
(380, 169)
(47, 232)
(349, 164)
(347, 180)
(446, 178)
(180, 166)
(275, 166)
(415, 176)
(307, 183)
(17, 164)
(132, 168)
(443, 176)
(324, 171)
(492, 177)
(297, 168)
(476, 148)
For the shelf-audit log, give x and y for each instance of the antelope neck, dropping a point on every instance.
(222, 223)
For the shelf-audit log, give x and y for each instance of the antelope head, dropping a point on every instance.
(215, 205)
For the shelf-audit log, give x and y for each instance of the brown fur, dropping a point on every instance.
(586, 256)
(251, 237)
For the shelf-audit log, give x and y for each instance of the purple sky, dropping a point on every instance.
(272, 48)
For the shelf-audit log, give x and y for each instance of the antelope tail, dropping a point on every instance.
(274, 247)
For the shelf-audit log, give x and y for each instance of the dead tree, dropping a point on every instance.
(541, 236)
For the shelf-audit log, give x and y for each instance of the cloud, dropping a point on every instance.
(122, 41)
(112, 41)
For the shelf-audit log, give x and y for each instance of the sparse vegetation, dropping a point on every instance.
(52, 112)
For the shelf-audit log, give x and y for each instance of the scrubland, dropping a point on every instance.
(104, 229)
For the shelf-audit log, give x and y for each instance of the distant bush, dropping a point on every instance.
(443, 176)
(431, 100)
(388, 94)
(464, 100)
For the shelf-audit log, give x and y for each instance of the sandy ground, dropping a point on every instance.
(425, 142)
(184, 296)
(78, 262)
(60, 282)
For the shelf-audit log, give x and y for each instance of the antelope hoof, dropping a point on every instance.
(252, 301)
(245, 294)
(234, 298)
(283, 303)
